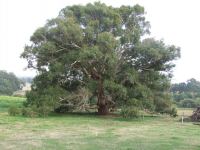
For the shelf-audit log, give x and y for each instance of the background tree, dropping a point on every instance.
(9, 83)
(99, 48)
(186, 94)
(26, 79)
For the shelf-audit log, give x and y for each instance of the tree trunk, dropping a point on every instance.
(103, 110)
(102, 102)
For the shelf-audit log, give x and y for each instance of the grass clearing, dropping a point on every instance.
(89, 132)
(7, 101)
(185, 111)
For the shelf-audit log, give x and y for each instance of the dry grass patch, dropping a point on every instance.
(186, 111)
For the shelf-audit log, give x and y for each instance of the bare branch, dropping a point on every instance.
(77, 62)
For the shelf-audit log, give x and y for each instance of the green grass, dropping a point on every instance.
(7, 101)
(90, 132)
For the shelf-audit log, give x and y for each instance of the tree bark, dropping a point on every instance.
(102, 101)
(103, 110)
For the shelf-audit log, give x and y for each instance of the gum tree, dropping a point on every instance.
(99, 48)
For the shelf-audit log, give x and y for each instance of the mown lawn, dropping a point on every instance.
(90, 132)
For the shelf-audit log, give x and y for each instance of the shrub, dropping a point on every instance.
(63, 109)
(171, 111)
(43, 111)
(28, 112)
(13, 111)
(44, 101)
(36, 112)
(130, 112)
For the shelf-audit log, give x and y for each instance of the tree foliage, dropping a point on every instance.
(186, 94)
(9, 83)
(98, 49)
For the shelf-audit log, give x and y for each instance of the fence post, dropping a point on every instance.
(182, 117)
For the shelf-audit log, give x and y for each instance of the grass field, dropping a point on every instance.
(89, 132)
(7, 101)
(185, 111)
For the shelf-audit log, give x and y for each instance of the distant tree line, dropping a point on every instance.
(186, 94)
(26, 79)
(9, 83)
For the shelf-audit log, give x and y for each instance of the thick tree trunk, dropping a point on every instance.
(102, 101)
(103, 110)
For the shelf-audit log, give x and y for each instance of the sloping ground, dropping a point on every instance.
(27, 87)
(89, 132)
(22, 92)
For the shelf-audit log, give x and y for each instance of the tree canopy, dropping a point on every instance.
(9, 83)
(191, 85)
(186, 94)
(95, 54)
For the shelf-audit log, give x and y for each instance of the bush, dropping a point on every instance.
(130, 112)
(43, 111)
(35, 112)
(171, 111)
(63, 109)
(13, 111)
(28, 112)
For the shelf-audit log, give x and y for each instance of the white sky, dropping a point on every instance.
(175, 21)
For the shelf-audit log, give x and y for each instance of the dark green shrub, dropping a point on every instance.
(29, 112)
(130, 112)
(173, 112)
(36, 112)
(13, 111)
(46, 100)
(63, 108)
(43, 111)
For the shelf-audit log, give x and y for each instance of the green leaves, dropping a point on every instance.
(106, 42)
(117, 91)
(99, 48)
(9, 83)
(153, 55)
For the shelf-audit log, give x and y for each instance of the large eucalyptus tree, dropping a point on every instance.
(98, 49)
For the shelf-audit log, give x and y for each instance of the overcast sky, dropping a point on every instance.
(175, 21)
